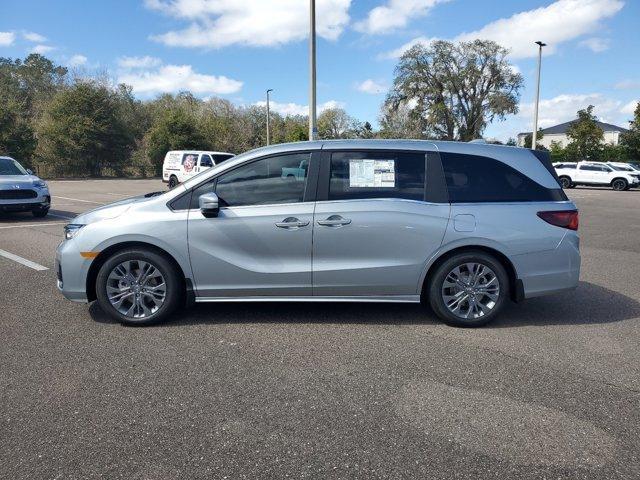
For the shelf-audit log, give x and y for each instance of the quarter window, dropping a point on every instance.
(360, 175)
(272, 180)
(473, 178)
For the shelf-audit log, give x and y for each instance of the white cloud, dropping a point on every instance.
(139, 62)
(77, 61)
(596, 44)
(394, 14)
(286, 109)
(554, 24)
(563, 108)
(371, 87)
(627, 84)
(559, 22)
(397, 53)
(219, 23)
(42, 49)
(629, 108)
(34, 37)
(7, 38)
(174, 78)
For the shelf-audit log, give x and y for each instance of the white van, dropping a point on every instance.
(180, 165)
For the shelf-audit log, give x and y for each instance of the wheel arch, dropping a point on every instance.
(516, 288)
(104, 255)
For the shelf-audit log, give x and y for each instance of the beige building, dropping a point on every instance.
(558, 134)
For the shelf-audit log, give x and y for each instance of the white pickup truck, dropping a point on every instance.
(596, 174)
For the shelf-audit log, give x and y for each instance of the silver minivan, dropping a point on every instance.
(464, 227)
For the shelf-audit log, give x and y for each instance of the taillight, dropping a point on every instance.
(561, 218)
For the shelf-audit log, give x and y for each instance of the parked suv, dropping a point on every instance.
(596, 174)
(464, 227)
(21, 190)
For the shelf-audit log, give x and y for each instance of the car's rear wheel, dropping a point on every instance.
(138, 287)
(565, 182)
(173, 181)
(40, 212)
(469, 289)
(619, 184)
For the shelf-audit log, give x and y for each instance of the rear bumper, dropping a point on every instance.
(550, 271)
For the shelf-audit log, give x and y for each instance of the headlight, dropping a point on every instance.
(40, 184)
(71, 230)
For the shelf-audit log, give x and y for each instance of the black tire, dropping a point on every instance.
(40, 212)
(619, 184)
(172, 281)
(173, 182)
(566, 182)
(435, 286)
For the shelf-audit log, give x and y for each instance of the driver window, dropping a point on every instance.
(272, 180)
(205, 161)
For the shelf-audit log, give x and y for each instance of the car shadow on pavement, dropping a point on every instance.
(588, 304)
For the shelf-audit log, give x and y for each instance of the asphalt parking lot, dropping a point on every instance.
(550, 390)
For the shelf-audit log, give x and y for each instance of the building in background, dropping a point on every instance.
(558, 134)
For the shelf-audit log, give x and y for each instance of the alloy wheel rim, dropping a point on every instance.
(618, 185)
(136, 289)
(471, 290)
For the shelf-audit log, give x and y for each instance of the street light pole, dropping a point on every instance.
(534, 135)
(268, 136)
(312, 70)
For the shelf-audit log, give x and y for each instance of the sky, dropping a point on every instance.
(237, 49)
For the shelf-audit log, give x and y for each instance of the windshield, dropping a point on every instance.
(8, 166)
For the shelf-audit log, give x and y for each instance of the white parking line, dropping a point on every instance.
(25, 225)
(118, 194)
(79, 200)
(23, 261)
(59, 216)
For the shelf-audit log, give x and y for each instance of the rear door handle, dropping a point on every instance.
(291, 223)
(334, 221)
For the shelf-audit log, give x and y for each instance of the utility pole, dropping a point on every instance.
(268, 116)
(534, 135)
(312, 70)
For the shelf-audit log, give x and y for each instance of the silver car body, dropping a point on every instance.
(383, 254)
(23, 192)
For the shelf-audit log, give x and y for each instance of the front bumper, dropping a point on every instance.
(42, 201)
(72, 270)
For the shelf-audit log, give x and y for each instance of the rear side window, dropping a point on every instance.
(473, 179)
(360, 175)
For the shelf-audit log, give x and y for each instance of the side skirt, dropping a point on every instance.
(378, 299)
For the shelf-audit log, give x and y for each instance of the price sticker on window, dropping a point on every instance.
(367, 173)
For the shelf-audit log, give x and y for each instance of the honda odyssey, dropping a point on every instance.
(464, 227)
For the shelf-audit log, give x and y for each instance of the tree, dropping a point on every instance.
(586, 136)
(175, 129)
(334, 123)
(454, 90)
(630, 140)
(557, 153)
(511, 142)
(81, 128)
(529, 138)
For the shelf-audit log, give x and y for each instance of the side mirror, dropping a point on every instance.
(29, 171)
(208, 203)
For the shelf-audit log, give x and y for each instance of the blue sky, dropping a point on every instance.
(237, 49)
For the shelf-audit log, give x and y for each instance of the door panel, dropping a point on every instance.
(244, 252)
(260, 242)
(381, 251)
(373, 228)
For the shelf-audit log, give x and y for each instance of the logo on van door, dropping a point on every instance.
(188, 162)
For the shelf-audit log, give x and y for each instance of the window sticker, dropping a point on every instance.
(372, 173)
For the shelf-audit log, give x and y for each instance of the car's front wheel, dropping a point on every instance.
(138, 287)
(173, 181)
(469, 289)
(620, 184)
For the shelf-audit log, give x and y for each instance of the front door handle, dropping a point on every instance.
(334, 221)
(292, 223)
